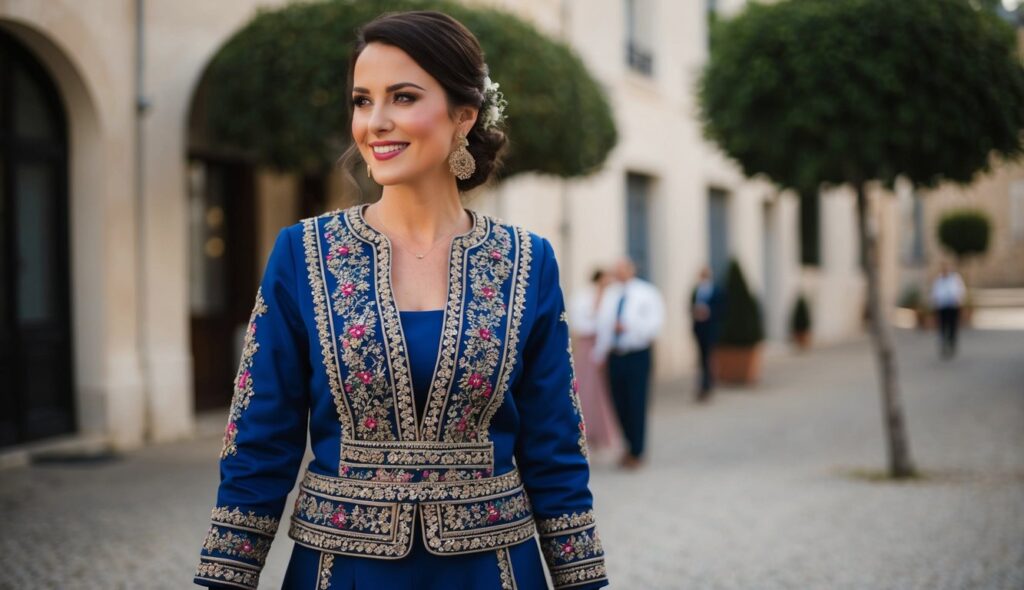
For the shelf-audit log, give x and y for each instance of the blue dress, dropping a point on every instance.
(445, 443)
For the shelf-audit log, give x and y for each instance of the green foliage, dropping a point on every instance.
(965, 232)
(821, 91)
(278, 88)
(742, 324)
(800, 321)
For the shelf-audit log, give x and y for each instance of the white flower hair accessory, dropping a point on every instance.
(492, 111)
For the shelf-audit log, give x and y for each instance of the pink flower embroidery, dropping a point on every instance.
(495, 255)
(487, 391)
(246, 546)
(230, 429)
(357, 331)
(365, 376)
(485, 333)
(370, 423)
(476, 380)
(461, 426)
(343, 250)
(348, 289)
(243, 378)
(348, 388)
(568, 548)
(339, 518)
(344, 470)
(575, 385)
(488, 292)
(492, 513)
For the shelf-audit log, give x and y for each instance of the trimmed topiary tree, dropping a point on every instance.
(813, 93)
(800, 320)
(742, 325)
(278, 88)
(965, 232)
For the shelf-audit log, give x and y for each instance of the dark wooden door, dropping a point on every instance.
(36, 380)
(223, 272)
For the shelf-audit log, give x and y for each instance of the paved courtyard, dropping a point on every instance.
(762, 489)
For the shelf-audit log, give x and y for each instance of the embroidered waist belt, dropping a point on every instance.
(370, 509)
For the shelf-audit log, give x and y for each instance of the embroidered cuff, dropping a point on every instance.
(572, 549)
(236, 547)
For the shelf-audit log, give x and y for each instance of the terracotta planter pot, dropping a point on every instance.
(802, 339)
(738, 365)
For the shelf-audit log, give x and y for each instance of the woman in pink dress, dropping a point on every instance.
(602, 429)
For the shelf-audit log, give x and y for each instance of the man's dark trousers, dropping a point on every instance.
(705, 344)
(949, 320)
(629, 376)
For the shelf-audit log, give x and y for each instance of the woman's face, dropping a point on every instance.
(400, 117)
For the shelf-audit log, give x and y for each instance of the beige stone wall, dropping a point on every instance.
(1000, 194)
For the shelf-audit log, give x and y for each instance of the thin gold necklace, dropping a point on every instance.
(418, 256)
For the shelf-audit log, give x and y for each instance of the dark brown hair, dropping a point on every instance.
(449, 52)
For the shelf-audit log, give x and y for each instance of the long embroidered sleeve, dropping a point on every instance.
(265, 436)
(551, 450)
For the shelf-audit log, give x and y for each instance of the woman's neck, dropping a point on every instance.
(420, 216)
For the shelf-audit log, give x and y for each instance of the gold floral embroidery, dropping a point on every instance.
(237, 543)
(441, 541)
(489, 268)
(366, 383)
(324, 321)
(243, 388)
(408, 461)
(571, 548)
(444, 368)
(574, 396)
(400, 384)
(394, 545)
(522, 273)
(230, 515)
(463, 516)
(232, 573)
(508, 578)
(370, 520)
(342, 487)
(324, 575)
(579, 574)
(549, 526)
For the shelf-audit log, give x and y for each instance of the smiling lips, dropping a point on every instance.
(387, 150)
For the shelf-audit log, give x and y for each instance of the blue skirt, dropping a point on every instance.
(312, 569)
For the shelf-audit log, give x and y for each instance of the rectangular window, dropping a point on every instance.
(639, 36)
(810, 229)
(718, 232)
(638, 208)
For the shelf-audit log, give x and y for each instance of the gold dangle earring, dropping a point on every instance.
(369, 171)
(460, 161)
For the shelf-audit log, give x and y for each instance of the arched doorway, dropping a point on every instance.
(36, 381)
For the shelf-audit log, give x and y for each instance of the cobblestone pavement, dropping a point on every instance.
(754, 491)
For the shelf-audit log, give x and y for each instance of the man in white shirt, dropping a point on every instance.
(630, 318)
(948, 292)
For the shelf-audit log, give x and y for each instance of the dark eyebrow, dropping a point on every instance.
(391, 88)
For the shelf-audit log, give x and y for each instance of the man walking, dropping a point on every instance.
(948, 293)
(628, 322)
(706, 306)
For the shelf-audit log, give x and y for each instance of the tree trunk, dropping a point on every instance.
(900, 463)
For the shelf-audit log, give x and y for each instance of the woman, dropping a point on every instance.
(424, 347)
(602, 433)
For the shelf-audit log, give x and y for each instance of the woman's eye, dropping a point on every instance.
(359, 101)
(403, 97)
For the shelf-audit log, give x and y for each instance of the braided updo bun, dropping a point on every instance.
(449, 52)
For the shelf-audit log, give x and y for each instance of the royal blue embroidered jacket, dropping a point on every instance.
(498, 455)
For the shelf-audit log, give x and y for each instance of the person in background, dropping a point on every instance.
(592, 383)
(706, 308)
(629, 320)
(948, 292)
